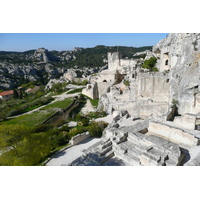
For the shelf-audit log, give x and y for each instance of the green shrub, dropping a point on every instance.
(175, 102)
(62, 138)
(96, 128)
(65, 128)
(126, 82)
(76, 131)
(43, 128)
(155, 69)
(97, 114)
(84, 82)
(150, 64)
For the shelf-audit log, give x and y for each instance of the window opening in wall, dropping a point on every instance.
(197, 127)
(166, 62)
(105, 81)
(167, 80)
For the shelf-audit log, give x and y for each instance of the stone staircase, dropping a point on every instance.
(134, 149)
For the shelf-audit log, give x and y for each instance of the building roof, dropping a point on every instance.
(33, 90)
(4, 93)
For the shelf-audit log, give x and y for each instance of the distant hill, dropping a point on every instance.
(41, 65)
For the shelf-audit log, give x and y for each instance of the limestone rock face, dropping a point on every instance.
(43, 54)
(180, 53)
(70, 74)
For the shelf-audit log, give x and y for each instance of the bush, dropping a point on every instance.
(76, 131)
(97, 114)
(63, 138)
(96, 128)
(150, 64)
(43, 128)
(126, 82)
(175, 102)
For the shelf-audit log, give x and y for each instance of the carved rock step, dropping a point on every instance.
(106, 150)
(135, 138)
(128, 147)
(106, 144)
(100, 159)
(152, 157)
(129, 158)
(120, 137)
(135, 161)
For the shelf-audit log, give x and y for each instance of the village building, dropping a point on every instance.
(5, 95)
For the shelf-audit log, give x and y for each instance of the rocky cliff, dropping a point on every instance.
(180, 54)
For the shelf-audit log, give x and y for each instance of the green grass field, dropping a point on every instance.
(59, 104)
(39, 116)
(30, 120)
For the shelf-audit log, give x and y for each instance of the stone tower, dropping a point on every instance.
(114, 60)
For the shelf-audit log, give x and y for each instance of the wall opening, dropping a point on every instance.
(104, 80)
(166, 62)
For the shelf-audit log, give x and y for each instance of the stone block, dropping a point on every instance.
(79, 138)
(187, 121)
(135, 138)
(173, 134)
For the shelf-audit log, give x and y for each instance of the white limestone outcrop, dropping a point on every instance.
(180, 54)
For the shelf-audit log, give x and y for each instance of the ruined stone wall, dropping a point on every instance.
(102, 88)
(106, 76)
(127, 62)
(91, 91)
(154, 86)
(145, 96)
(113, 60)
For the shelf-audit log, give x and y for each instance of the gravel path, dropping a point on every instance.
(64, 158)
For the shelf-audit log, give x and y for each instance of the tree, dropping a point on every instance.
(20, 146)
(15, 94)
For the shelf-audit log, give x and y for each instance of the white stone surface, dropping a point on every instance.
(79, 138)
(174, 134)
(65, 157)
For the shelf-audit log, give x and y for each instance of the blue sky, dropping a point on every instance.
(67, 41)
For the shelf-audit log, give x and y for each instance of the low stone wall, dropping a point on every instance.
(186, 121)
(79, 138)
(173, 134)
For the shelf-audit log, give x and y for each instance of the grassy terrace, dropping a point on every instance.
(38, 117)
(59, 104)
(30, 120)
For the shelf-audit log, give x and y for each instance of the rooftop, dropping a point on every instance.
(4, 93)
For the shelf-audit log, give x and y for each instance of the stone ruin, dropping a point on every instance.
(128, 141)
(162, 125)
